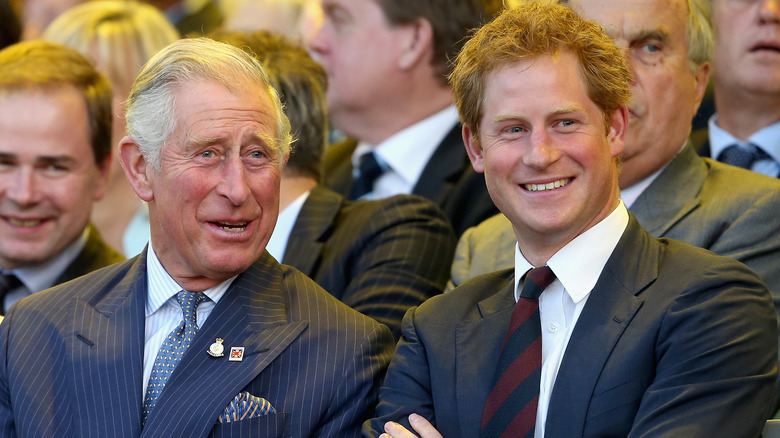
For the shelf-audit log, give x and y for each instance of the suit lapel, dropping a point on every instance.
(108, 340)
(309, 234)
(673, 194)
(477, 351)
(443, 169)
(610, 308)
(252, 314)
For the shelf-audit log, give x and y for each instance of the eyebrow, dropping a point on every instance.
(56, 159)
(265, 139)
(44, 159)
(572, 108)
(650, 35)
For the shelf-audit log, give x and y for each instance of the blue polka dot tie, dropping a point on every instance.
(172, 349)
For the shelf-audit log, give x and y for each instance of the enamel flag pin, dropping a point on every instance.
(236, 354)
(217, 349)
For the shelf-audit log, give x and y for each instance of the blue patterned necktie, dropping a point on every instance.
(172, 349)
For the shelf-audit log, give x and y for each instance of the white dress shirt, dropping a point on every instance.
(277, 245)
(767, 139)
(577, 266)
(406, 153)
(163, 312)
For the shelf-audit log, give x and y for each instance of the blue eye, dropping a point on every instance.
(257, 154)
(207, 154)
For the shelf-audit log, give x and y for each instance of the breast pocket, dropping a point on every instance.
(272, 426)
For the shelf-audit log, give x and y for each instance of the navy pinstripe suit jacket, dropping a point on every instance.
(71, 360)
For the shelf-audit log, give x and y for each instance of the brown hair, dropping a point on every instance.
(531, 30)
(42, 65)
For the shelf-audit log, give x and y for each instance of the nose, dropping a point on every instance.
(21, 186)
(769, 11)
(234, 185)
(541, 152)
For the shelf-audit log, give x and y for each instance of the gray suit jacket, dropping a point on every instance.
(673, 341)
(378, 257)
(71, 360)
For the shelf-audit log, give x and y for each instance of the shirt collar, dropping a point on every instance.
(579, 263)
(43, 276)
(162, 286)
(407, 152)
(767, 138)
(284, 224)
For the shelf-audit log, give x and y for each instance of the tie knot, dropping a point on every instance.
(536, 281)
(189, 303)
(9, 282)
(369, 170)
(742, 156)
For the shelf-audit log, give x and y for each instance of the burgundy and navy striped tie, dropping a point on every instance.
(510, 409)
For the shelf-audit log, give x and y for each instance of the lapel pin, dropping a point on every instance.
(217, 349)
(236, 354)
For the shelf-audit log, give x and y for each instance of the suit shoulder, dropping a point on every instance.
(336, 153)
(737, 182)
(461, 302)
(687, 263)
(393, 210)
(87, 287)
(309, 301)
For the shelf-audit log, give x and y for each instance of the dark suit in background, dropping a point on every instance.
(71, 360)
(661, 312)
(448, 180)
(378, 257)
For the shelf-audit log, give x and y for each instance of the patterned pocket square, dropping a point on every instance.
(245, 406)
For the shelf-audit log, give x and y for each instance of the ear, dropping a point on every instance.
(474, 150)
(136, 168)
(618, 127)
(702, 79)
(417, 45)
(104, 175)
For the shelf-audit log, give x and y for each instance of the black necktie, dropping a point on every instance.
(8, 282)
(510, 409)
(742, 156)
(369, 171)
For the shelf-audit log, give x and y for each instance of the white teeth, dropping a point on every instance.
(24, 223)
(548, 186)
(234, 228)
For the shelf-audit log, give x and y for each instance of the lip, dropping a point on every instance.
(765, 45)
(25, 224)
(232, 229)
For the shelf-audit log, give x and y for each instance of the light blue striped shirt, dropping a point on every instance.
(163, 312)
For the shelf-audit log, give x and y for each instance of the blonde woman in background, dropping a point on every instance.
(119, 37)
